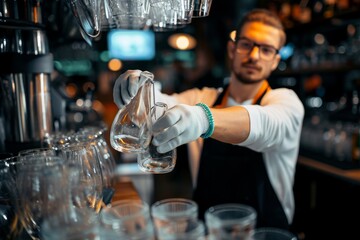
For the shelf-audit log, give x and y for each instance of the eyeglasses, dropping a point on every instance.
(266, 52)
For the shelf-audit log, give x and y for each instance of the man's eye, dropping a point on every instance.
(245, 45)
(267, 50)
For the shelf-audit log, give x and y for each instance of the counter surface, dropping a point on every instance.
(352, 175)
(124, 189)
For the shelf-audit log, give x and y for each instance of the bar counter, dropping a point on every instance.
(124, 189)
(352, 175)
(327, 196)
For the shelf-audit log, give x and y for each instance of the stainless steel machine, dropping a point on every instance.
(25, 68)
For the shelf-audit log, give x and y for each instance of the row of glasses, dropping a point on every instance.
(177, 219)
(91, 138)
(81, 193)
(174, 219)
(60, 181)
(63, 181)
(41, 182)
(93, 16)
(10, 226)
(238, 221)
(35, 188)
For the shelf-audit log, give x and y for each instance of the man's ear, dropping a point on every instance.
(231, 47)
(276, 62)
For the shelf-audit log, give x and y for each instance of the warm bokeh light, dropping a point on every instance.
(88, 86)
(71, 90)
(182, 41)
(98, 106)
(114, 65)
(351, 30)
(319, 38)
(232, 35)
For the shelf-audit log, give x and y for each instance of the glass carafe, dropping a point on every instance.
(130, 130)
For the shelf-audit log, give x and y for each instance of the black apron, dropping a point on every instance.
(234, 174)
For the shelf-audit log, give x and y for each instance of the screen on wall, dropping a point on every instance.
(131, 44)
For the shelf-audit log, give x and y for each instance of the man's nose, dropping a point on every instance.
(255, 52)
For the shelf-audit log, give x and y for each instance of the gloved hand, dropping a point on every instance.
(179, 125)
(127, 85)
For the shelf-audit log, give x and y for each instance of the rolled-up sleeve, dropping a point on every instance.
(276, 123)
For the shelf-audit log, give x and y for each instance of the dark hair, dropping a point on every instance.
(266, 17)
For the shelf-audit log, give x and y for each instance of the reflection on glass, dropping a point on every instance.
(130, 130)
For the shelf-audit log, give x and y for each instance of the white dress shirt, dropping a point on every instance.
(275, 129)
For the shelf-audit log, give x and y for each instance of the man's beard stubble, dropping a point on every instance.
(244, 79)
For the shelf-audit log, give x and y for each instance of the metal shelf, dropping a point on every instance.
(8, 23)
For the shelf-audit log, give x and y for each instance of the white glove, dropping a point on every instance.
(179, 125)
(127, 85)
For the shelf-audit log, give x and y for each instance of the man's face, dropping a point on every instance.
(251, 66)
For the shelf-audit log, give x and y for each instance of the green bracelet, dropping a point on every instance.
(210, 118)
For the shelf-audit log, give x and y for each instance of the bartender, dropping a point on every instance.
(243, 138)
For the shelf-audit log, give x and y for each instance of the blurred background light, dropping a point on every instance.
(182, 41)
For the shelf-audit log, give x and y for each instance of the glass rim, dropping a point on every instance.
(285, 233)
(9, 161)
(34, 151)
(108, 213)
(161, 205)
(212, 212)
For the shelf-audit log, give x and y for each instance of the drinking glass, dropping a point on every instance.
(170, 211)
(201, 8)
(150, 160)
(58, 140)
(129, 219)
(184, 10)
(270, 233)
(42, 186)
(194, 230)
(94, 137)
(74, 224)
(169, 15)
(107, 21)
(230, 221)
(130, 130)
(10, 226)
(87, 185)
(36, 152)
(160, 14)
(129, 14)
(87, 14)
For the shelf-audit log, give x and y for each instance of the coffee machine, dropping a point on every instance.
(25, 70)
